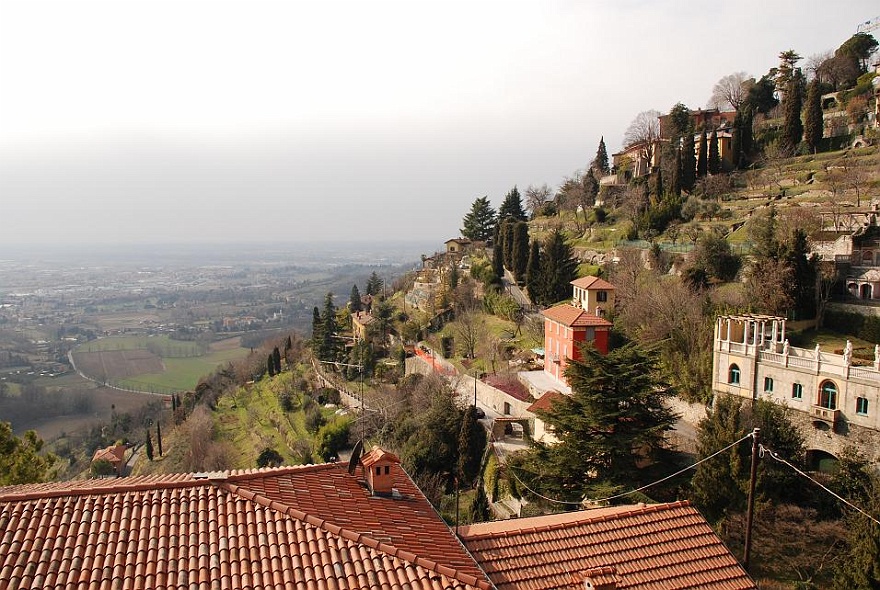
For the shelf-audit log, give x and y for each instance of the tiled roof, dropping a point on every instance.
(593, 283)
(573, 317)
(656, 547)
(545, 401)
(362, 317)
(286, 528)
(113, 455)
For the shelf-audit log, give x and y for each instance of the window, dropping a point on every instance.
(602, 296)
(862, 406)
(378, 471)
(828, 395)
(387, 469)
(797, 391)
(768, 384)
(733, 375)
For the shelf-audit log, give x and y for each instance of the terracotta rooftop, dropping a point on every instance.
(593, 283)
(574, 317)
(287, 528)
(113, 455)
(545, 401)
(656, 547)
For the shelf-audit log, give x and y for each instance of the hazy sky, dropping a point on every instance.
(195, 121)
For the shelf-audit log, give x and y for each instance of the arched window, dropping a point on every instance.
(828, 395)
(733, 375)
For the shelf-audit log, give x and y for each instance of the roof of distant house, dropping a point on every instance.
(593, 283)
(362, 317)
(545, 401)
(574, 317)
(292, 527)
(661, 546)
(113, 455)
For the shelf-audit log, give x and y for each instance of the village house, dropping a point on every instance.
(835, 397)
(334, 525)
(114, 455)
(851, 241)
(360, 322)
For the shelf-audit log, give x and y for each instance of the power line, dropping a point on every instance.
(773, 455)
(644, 487)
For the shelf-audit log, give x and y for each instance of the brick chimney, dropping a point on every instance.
(379, 471)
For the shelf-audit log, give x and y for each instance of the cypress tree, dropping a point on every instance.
(507, 232)
(676, 173)
(658, 186)
(498, 255)
(520, 251)
(792, 127)
(702, 158)
(149, 447)
(533, 271)
(316, 326)
(688, 163)
(813, 123)
(714, 163)
(748, 140)
(270, 366)
(276, 360)
(159, 436)
(559, 269)
(600, 162)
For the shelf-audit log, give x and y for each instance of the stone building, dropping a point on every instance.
(835, 397)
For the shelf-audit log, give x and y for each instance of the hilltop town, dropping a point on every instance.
(664, 374)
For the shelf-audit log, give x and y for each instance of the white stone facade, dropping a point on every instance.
(836, 401)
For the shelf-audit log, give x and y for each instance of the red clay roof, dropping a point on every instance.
(593, 283)
(656, 547)
(114, 455)
(573, 317)
(377, 454)
(287, 528)
(545, 401)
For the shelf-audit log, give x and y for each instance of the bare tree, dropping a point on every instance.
(826, 277)
(537, 197)
(470, 328)
(644, 130)
(731, 91)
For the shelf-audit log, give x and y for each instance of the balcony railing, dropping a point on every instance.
(825, 415)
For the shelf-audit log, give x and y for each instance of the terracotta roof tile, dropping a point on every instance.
(658, 547)
(593, 283)
(573, 317)
(292, 527)
(545, 401)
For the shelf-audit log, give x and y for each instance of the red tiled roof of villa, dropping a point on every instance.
(292, 527)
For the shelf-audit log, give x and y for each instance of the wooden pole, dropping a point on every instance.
(750, 512)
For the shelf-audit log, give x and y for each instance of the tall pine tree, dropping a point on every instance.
(600, 162)
(676, 174)
(813, 123)
(713, 165)
(688, 163)
(559, 269)
(512, 207)
(533, 271)
(703, 157)
(520, 251)
(792, 127)
(479, 223)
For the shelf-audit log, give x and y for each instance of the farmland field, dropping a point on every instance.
(153, 364)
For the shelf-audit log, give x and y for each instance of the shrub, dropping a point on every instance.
(332, 438)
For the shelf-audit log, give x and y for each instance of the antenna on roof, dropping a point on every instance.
(355, 456)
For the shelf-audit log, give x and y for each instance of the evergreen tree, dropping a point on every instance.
(149, 447)
(354, 300)
(533, 271)
(748, 137)
(512, 207)
(270, 366)
(471, 443)
(520, 251)
(559, 269)
(600, 162)
(507, 238)
(614, 420)
(479, 223)
(658, 186)
(792, 127)
(328, 347)
(736, 141)
(159, 436)
(676, 174)
(498, 255)
(679, 123)
(276, 360)
(713, 165)
(316, 326)
(688, 163)
(374, 285)
(21, 460)
(702, 158)
(813, 124)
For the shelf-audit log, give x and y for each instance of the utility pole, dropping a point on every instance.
(750, 512)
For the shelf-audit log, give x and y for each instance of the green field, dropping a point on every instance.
(185, 362)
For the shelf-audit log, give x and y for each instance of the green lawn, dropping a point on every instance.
(183, 373)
